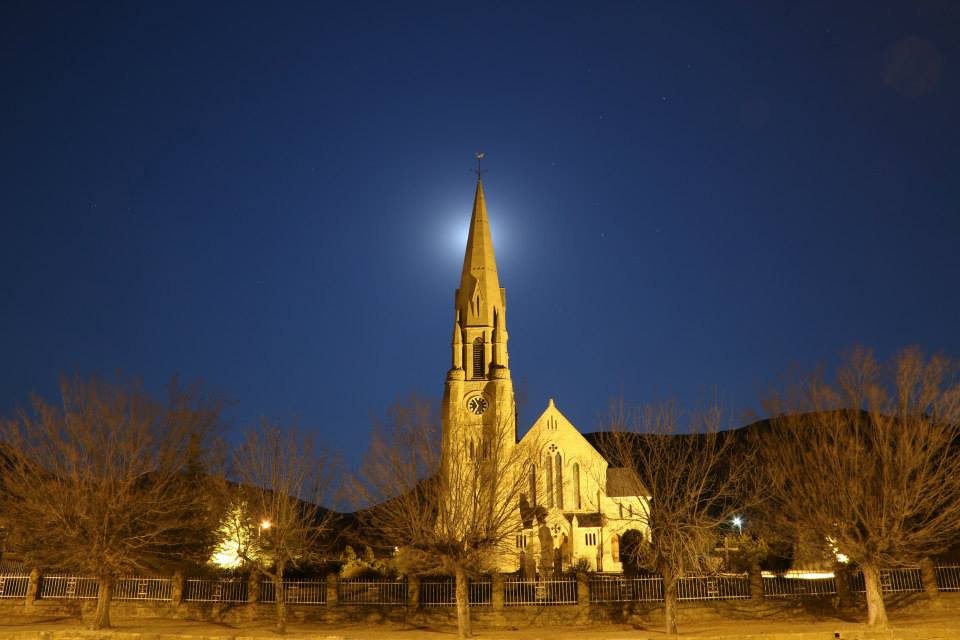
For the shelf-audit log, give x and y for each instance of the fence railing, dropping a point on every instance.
(198, 590)
(137, 588)
(622, 589)
(296, 591)
(68, 587)
(948, 578)
(539, 592)
(382, 592)
(14, 586)
(724, 587)
(900, 580)
(792, 586)
(442, 592)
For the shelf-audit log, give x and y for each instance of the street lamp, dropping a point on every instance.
(264, 526)
(738, 523)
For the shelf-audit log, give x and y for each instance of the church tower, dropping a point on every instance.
(479, 412)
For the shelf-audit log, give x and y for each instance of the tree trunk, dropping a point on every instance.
(176, 588)
(928, 573)
(101, 619)
(281, 598)
(756, 581)
(33, 589)
(670, 603)
(463, 603)
(876, 609)
(841, 580)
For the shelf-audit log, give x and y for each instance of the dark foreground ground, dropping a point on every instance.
(907, 626)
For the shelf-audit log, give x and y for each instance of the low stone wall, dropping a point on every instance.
(489, 617)
(497, 616)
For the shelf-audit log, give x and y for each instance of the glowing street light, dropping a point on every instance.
(738, 523)
(264, 526)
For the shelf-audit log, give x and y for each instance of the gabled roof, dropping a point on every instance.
(621, 483)
(552, 416)
(585, 519)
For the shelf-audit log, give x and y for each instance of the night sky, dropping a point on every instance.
(273, 197)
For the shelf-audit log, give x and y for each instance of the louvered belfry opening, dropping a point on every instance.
(478, 358)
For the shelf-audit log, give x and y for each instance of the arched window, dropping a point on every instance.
(549, 474)
(478, 357)
(533, 485)
(559, 464)
(615, 547)
(576, 486)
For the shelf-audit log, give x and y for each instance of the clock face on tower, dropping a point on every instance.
(477, 405)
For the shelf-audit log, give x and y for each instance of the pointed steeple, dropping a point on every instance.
(478, 399)
(479, 293)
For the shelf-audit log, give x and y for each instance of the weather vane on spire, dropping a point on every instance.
(479, 155)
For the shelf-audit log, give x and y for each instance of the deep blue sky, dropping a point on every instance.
(273, 197)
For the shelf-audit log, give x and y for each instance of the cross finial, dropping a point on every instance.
(479, 155)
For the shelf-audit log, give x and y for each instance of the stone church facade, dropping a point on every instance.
(576, 510)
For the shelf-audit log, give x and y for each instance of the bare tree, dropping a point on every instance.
(451, 509)
(109, 481)
(277, 521)
(869, 461)
(695, 477)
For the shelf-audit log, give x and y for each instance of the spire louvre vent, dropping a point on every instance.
(478, 358)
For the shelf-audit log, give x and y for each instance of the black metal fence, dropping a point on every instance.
(441, 592)
(378, 592)
(560, 590)
(296, 591)
(14, 586)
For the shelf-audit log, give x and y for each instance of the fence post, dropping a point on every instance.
(413, 592)
(33, 589)
(331, 589)
(497, 591)
(583, 589)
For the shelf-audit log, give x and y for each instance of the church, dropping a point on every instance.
(577, 504)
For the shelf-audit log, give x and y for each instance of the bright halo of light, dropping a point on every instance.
(800, 575)
(454, 235)
(445, 224)
(227, 555)
(449, 233)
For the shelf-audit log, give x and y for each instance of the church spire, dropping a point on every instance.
(479, 293)
(478, 401)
